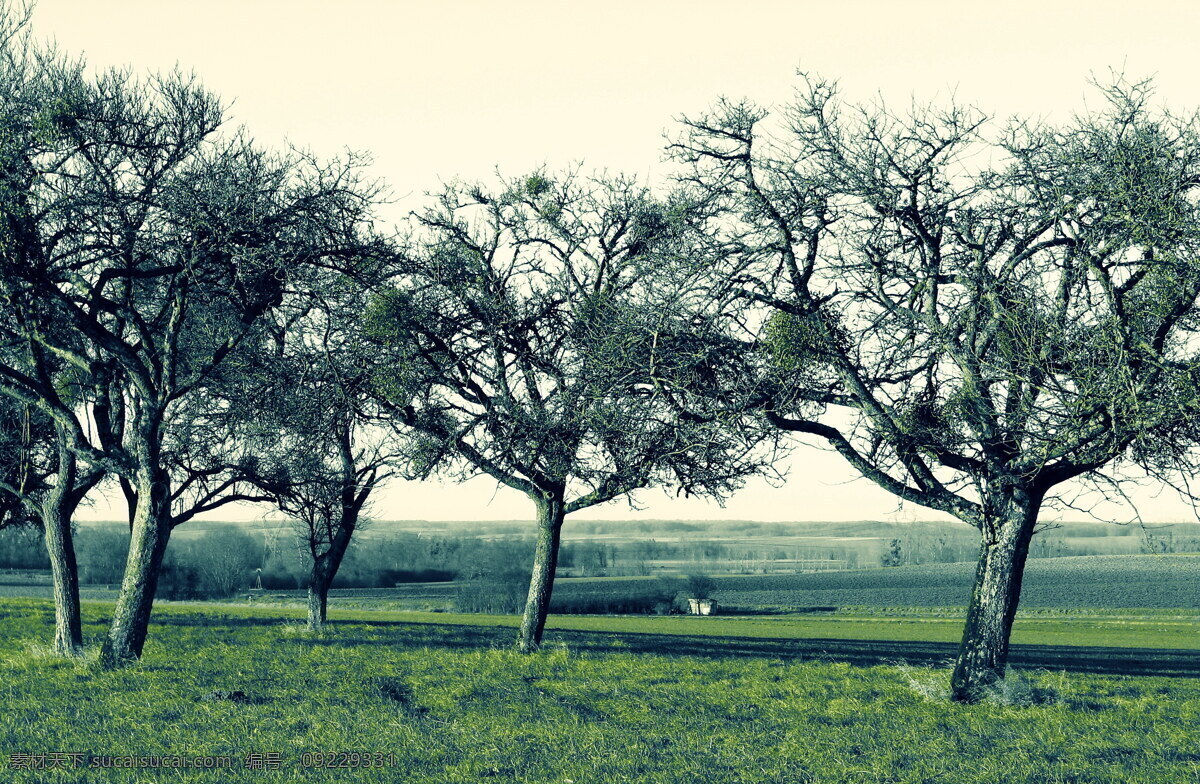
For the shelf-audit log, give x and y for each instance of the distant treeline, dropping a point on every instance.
(224, 559)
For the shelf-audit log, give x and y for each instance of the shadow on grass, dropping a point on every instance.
(201, 620)
(1101, 660)
(416, 635)
(1112, 661)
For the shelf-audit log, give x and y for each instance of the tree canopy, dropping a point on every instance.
(524, 313)
(970, 317)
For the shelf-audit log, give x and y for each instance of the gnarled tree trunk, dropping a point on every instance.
(151, 532)
(325, 566)
(324, 569)
(57, 510)
(318, 598)
(550, 511)
(983, 654)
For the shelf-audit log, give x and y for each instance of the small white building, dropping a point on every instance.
(702, 606)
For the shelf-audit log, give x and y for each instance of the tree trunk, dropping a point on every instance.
(983, 654)
(319, 581)
(57, 510)
(541, 582)
(325, 565)
(151, 531)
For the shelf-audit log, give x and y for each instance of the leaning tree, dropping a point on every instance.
(970, 319)
(519, 335)
(56, 402)
(42, 480)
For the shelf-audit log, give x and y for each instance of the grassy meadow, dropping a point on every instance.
(440, 698)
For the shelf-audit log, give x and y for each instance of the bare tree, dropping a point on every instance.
(325, 494)
(970, 322)
(322, 448)
(519, 335)
(40, 487)
(145, 245)
(41, 478)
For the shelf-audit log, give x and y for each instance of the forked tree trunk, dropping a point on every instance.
(550, 513)
(151, 531)
(57, 510)
(325, 566)
(983, 654)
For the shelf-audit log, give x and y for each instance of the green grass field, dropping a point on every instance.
(440, 698)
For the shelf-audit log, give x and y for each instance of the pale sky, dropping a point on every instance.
(437, 90)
